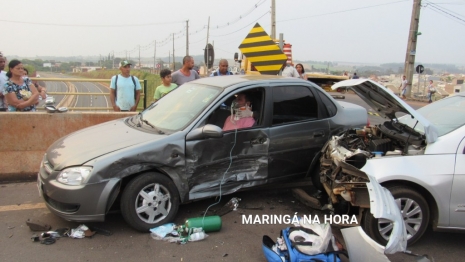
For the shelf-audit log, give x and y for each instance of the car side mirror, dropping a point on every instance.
(207, 131)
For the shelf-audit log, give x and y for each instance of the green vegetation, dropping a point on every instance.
(152, 80)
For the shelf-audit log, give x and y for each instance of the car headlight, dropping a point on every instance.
(74, 176)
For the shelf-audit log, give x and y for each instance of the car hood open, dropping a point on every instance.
(386, 103)
(89, 143)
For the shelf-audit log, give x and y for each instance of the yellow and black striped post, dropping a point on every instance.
(262, 51)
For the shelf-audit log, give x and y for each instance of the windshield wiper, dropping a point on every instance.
(142, 120)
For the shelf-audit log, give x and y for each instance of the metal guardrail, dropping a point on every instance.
(143, 82)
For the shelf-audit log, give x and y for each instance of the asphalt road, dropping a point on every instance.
(91, 100)
(81, 87)
(235, 242)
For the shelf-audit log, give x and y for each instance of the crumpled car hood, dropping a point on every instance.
(89, 143)
(386, 103)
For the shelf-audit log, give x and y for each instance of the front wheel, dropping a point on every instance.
(415, 213)
(149, 200)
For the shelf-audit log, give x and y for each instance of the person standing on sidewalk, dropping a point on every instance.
(185, 74)
(403, 87)
(431, 91)
(124, 89)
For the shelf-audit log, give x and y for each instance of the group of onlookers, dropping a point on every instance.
(17, 91)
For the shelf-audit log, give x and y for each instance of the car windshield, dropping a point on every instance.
(180, 107)
(446, 115)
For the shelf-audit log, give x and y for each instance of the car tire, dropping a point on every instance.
(408, 201)
(149, 200)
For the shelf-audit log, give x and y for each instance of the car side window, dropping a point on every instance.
(247, 110)
(293, 104)
(328, 104)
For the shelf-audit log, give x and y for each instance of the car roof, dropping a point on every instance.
(227, 81)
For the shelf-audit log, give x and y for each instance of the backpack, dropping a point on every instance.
(292, 254)
(116, 87)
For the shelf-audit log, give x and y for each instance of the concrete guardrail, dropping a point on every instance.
(24, 138)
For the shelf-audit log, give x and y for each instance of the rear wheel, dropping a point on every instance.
(149, 200)
(415, 212)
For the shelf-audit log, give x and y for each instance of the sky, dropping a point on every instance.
(359, 31)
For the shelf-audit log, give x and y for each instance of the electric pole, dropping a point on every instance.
(208, 34)
(273, 20)
(154, 56)
(187, 37)
(174, 63)
(412, 45)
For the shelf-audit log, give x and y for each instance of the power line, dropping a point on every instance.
(82, 25)
(444, 9)
(342, 11)
(445, 12)
(243, 27)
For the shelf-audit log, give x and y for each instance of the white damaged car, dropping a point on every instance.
(419, 155)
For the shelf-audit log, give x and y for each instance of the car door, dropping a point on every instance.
(457, 204)
(208, 160)
(297, 132)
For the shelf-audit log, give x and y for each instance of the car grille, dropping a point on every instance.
(63, 207)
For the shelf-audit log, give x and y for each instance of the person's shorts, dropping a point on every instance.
(404, 91)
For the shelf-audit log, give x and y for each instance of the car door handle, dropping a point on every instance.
(319, 134)
(258, 141)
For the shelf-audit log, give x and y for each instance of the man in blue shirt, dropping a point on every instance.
(124, 89)
(222, 69)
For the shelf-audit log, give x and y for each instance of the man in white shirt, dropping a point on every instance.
(290, 71)
(403, 87)
(3, 79)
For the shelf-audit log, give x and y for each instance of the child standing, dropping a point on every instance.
(166, 87)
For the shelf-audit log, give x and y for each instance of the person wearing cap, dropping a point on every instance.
(124, 89)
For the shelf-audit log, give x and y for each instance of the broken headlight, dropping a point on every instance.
(74, 176)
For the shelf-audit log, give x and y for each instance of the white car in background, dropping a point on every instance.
(419, 155)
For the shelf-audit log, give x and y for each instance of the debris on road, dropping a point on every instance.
(36, 225)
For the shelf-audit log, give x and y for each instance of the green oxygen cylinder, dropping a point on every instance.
(209, 224)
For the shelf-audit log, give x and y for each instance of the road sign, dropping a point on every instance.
(420, 69)
(158, 65)
(262, 51)
(211, 55)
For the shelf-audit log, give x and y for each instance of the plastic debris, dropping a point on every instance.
(163, 230)
(36, 225)
(81, 231)
(232, 205)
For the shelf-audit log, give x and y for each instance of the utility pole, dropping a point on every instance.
(412, 45)
(155, 56)
(174, 62)
(113, 59)
(187, 37)
(206, 46)
(273, 19)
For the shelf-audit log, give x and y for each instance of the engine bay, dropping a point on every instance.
(344, 155)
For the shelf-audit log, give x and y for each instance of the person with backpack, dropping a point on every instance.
(124, 89)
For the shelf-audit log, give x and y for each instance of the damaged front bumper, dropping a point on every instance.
(348, 186)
